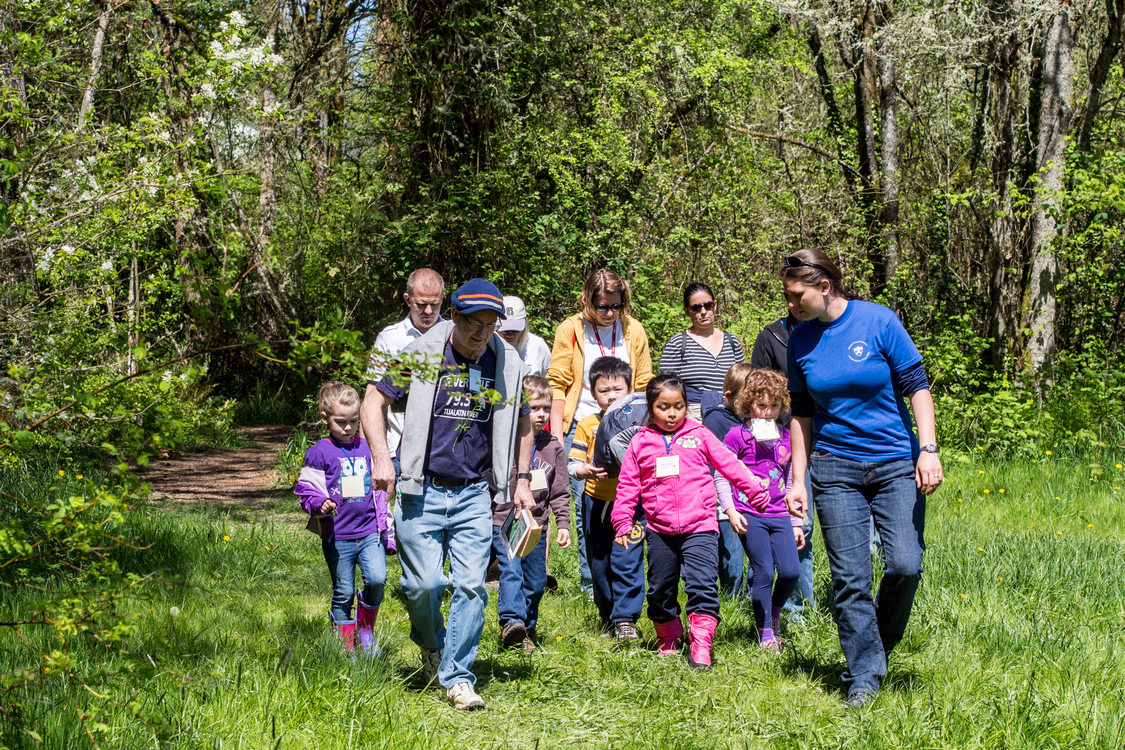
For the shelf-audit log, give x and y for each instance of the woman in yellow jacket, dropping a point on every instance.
(603, 327)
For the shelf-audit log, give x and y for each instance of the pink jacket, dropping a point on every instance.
(683, 504)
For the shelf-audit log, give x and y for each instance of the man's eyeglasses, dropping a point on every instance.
(479, 327)
(792, 261)
(699, 307)
(606, 308)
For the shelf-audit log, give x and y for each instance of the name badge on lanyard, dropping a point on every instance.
(352, 486)
(669, 465)
(538, 480)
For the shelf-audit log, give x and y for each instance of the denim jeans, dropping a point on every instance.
(453, 522)
(342, 556)
(577, 489)
(849, 494)
(802, 595)
(522, 580)
(732, 561)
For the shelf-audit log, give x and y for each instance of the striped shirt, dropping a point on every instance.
(698, 368)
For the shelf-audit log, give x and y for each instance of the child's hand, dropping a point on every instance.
(623, 540)
(563, 538)
(737, 522)
(799, 537)
(589, 471)
(327, 507)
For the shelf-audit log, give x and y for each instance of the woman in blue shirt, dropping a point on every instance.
(852, 366)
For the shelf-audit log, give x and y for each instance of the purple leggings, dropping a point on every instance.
(770, 545)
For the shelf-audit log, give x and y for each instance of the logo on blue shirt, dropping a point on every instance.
(858, 351)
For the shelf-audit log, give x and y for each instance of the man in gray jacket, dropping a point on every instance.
(464, 423)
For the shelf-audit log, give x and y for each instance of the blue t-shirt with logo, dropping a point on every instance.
(850, 368)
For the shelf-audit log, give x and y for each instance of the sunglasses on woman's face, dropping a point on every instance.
(606, 308)
(793, 261)
(699, 307)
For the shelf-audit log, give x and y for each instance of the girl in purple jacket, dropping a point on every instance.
(335, 490)
(772, 536)
(667, 467)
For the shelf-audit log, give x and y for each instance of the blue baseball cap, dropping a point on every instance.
(476, 295)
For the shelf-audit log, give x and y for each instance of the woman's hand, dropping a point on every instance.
(797, 500)
(927, 472)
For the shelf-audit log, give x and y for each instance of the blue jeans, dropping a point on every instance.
(732, 560)
(342, 556)
(522, 580)
(577, 490)
(849, 494)
(802, 595)
(453, 522)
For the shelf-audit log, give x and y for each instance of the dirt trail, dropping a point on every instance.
(238, 477)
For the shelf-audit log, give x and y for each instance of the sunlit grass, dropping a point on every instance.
(1014, 643)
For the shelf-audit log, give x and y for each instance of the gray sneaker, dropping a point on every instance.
(859, 699)
(431, 662)
(463, 697)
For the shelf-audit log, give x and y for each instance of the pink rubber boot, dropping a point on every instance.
(668, 635)
(701, 630)
(345, 631)
(365, 627)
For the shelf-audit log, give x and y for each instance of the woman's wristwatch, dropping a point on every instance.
(929, 448)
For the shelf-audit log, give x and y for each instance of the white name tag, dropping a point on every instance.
(352, 486)
(667, 466)
(474, 379)
(764, 429)
(538, 479)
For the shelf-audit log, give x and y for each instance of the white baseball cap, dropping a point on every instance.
(515, 315)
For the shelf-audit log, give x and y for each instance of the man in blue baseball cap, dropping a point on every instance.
(455, 458)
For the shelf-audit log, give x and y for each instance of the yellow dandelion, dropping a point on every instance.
(1089, 526)
(1049, 453)
(62, 473)
(245, 538)
(1057, 497)
(960, 500)
(79, 476)
(251, 520)
(980, 447)
(964, 596)
(558, 639)
(267, 548)
(980, 471)
(226, 538)
(46, 670)
(1059, 533)
(1117, 466)
(980, 549)
(999, 578)
(1002, 490)
(986, 490)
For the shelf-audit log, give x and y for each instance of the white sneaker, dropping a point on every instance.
(463, 697)
(431, 662)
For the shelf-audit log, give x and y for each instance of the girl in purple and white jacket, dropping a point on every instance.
(772, 536)
(668, 469)
(352, 520)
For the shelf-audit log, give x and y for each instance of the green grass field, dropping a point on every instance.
(1015, 642)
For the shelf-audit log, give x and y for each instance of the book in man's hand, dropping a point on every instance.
(520, 533)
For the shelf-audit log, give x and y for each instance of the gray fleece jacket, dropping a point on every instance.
(510, 370)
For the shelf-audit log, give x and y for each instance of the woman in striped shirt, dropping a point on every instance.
(702, 354)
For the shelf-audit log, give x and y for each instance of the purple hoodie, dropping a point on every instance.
(770, 462)
(355, 517)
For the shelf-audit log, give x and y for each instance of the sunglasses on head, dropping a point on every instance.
(701, 306)
(792, 261)
(606, 308)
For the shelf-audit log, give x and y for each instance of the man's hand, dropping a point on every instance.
(521, 496)
(563, 538)
(797, 500)
(383, 473)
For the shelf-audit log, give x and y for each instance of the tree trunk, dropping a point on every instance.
(1107, 53)
(95, 64)
(1050, 162)
(267, 168)
(888, 150)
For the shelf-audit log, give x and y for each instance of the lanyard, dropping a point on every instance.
(668, 443)
(534, 447)
(352, 457)
(612, 340)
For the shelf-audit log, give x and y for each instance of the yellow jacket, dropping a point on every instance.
(568, 361)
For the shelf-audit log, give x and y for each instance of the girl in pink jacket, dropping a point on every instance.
(668, 469)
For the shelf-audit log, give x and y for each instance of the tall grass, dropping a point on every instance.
(1014, 643)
